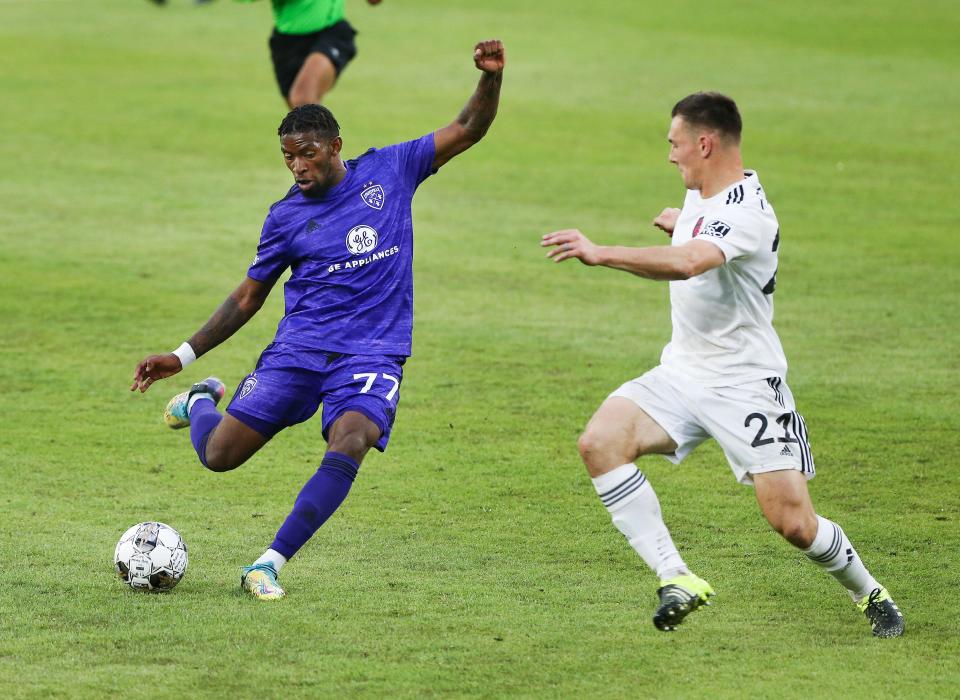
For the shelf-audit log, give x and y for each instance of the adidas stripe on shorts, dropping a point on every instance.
(756, 424)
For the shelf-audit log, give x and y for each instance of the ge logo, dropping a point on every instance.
(361, 239)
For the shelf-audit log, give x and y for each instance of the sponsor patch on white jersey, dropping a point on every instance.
(361, 239)
(716, 228)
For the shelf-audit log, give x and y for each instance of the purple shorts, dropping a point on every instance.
(280, 392)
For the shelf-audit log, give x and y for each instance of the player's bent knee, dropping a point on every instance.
(353, 434)
(585, 445)
(220, 460)
(588, 445)
(797, 531)
(217, 465)
(598, 452)
(353, 443)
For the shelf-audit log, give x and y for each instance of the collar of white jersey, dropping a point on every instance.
(750, 178)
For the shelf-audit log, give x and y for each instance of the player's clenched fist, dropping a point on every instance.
(667, 220)
(570, 243)
(489, 56)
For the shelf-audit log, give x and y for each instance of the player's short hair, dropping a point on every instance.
(310, 118)
(711, 110)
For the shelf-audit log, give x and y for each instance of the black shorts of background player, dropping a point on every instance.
(310, 46)
(307, 65)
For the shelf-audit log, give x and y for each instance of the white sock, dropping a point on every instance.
(635, 511)
(195, 398)
(832, 551)
(272, 557)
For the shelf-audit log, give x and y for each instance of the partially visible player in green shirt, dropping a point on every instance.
(311, 45)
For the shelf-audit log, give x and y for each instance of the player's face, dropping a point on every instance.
(685, 152)
(313, 160)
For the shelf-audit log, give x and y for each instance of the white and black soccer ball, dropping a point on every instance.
(151, 557)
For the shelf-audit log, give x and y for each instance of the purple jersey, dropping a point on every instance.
(351, 256)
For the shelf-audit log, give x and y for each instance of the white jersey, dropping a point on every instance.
(723, 319)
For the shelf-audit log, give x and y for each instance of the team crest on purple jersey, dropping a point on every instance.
(373, 196)
(248, 385)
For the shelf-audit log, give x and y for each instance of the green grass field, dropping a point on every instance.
(473, 558)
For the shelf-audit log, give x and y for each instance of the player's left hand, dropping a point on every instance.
(490, 56)
(153, 368)
(373, 2)
(570, 243)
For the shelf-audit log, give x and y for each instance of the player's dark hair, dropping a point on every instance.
(310, 119)
(712, 111)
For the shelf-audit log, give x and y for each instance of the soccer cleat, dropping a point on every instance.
(885, 617)
(680, 596)
(260, 581)
(176, 415)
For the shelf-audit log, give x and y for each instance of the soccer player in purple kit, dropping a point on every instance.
(346, 231)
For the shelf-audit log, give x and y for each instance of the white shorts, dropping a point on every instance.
(756, 423)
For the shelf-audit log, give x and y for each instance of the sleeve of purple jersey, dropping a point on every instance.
(413, 159)
(272, 256)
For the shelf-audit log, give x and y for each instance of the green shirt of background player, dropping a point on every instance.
(305, 16)
(310, 46)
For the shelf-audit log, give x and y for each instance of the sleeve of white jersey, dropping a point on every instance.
(737, 231)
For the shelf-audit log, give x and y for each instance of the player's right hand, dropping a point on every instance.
(667, 220)
(490, 56)
(153, 368)
(571, 243)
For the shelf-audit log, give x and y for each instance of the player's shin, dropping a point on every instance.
(204, 417)
(635, 511)
(317, 501)
(832, 551)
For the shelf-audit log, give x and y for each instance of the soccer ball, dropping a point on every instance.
(151, 557)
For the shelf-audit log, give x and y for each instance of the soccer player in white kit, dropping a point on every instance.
(722, 375)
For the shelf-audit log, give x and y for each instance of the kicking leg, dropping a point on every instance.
(351, 437)
(618, 433)
(785, 501)
(230, 443)
(316, 77)
(222, 442)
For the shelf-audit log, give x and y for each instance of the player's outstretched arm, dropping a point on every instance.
(477, 116)
(238, 308)
(656, 263)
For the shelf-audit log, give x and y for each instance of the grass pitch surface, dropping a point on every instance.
(473, 559)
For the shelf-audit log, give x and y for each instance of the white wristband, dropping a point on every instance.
(186, 354)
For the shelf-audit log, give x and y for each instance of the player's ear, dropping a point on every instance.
(705, 142)
(336, 143)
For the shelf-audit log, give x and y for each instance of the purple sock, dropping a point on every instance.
(318, 499)
(204, 417)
